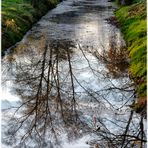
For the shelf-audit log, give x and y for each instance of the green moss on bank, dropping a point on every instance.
(18, 17)
(133, 26)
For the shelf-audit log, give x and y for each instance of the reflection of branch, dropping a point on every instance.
(126, 129)
(88, 61)
(135, 138)
(142, 131)
(57, 82)
(48, 112)
(121, 89)
(90, 94)
(72, 83)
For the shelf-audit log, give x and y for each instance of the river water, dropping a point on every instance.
(64, 68)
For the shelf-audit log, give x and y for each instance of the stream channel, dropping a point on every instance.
(69, 82)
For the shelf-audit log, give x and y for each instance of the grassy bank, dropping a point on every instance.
(133, 26)
(18, 17)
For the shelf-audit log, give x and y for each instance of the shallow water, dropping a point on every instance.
(72, 33)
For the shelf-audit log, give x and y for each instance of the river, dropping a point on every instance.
(68, 79)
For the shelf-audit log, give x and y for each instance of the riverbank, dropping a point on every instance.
(132, 21)
(18, 17)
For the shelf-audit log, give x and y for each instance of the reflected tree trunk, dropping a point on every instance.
(50, 103)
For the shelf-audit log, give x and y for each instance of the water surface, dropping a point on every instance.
(57, 68)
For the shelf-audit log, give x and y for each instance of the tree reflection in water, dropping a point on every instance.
(50, 104)
(115, 58)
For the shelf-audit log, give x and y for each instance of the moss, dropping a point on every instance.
(133, 26)
(18, 17)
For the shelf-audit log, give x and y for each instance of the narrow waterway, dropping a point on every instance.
(68, 79)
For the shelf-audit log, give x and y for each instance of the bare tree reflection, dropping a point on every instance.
(125, 138)
(51, 105)
(45, 106)
(115, 58)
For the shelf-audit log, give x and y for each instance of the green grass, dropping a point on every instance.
(18, 17)
(133, 26)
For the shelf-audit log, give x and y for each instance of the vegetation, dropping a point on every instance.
(133, 25)
(18, 17)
